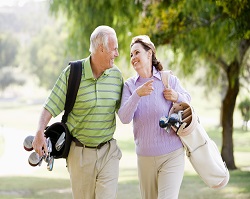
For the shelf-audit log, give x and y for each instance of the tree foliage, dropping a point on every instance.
(244, 107)
(46, 57)
(85, 16)
(238, 11)
(8, 49)
(36, 44)
(10, 76)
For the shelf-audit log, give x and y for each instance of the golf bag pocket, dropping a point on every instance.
(60, 138)
(205, 158)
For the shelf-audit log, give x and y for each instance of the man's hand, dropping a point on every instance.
(146, 88)
(39, 144)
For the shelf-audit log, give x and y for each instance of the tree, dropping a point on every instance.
(85, 16)
(8, 49)
(46, 55)
(244, 107)
(35, 44)
(216, 32)
(10, 76)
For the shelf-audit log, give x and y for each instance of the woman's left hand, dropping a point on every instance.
(170, 94)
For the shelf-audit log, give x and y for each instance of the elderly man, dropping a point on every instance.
(93, 159)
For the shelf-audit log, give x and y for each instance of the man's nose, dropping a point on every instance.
(116, 53)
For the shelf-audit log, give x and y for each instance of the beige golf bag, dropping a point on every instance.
(201, 151)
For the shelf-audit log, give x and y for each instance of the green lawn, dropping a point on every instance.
(42, 184)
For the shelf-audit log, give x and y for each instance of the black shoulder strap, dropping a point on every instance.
(73, 86)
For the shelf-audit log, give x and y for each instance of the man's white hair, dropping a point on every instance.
(100, 36)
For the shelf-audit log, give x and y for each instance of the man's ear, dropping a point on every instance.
(101, 47)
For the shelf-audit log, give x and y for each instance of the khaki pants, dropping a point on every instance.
(161, 176)
(94, 172)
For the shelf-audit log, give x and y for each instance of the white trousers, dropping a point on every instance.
(160, 177)
(94, 172)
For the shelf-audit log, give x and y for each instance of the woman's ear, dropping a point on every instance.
(149, 53)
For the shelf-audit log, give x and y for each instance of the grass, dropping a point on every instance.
(192, 187)
(238, 187)
(34, 187)
(40, 184)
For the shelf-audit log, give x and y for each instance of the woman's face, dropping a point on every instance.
(139, 57)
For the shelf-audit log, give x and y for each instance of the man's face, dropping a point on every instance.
(111, 52)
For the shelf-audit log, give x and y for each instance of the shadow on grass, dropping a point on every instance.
(128, 184)
(128, 190)
(238, 187)
(192, 187)
(34, 187)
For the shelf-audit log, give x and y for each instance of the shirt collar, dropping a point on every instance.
(156, 74)
(88, 69)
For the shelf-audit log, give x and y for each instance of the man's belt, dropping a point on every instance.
(78, 143)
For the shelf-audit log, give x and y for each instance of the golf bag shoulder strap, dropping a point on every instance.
(165, 76)
(73, 86)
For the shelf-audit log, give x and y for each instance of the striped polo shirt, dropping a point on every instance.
(92, 120)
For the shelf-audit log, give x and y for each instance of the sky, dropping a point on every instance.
(15, 2)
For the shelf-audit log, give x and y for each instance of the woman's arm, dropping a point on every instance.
(129, 102)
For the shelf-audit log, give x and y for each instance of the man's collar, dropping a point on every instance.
(88, 69)
(89, 72)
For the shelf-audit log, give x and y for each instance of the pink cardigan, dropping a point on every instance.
(150, 139)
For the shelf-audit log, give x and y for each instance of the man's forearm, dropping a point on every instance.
(44, 120)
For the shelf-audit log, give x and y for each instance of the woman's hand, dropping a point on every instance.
(170, 94)
(145, 89)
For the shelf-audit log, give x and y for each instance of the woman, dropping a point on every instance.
(160, 155)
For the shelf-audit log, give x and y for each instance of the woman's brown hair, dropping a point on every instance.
(145, 41)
